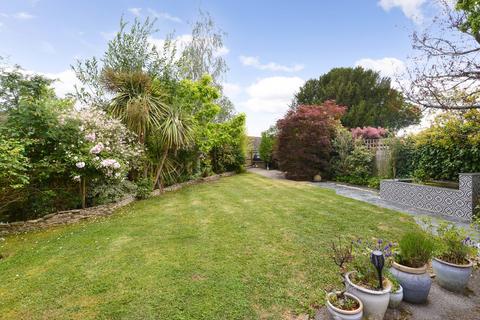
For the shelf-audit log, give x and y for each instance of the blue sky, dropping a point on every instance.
(272, 47)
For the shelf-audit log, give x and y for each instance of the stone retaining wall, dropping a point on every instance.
(455, 203)
(72, 216)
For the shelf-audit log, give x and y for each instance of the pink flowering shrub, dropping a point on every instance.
(105, 150)
(369, 132)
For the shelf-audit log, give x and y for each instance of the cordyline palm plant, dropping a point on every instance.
(175, 132)
(139, 103)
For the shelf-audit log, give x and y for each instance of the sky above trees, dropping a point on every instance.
(272, 47)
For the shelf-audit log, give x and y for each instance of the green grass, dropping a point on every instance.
(244, 247)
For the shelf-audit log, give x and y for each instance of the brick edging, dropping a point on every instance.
(72, 216)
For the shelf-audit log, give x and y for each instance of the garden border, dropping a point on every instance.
(75, 215)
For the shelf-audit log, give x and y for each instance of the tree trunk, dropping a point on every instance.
(158, 176)
(83, 192)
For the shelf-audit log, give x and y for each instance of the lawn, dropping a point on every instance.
(243, 247)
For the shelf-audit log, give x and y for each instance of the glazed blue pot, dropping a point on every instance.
(416, 282)
(453, 277)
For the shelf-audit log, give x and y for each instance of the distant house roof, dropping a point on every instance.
(255, 143)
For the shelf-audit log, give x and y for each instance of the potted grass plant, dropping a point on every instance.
(410, 266)
(367, 281)
(342, 305)
(452, 264)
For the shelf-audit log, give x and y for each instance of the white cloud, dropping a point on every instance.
(65, 82)
(164, 16)
(47, 47)
(135, 11)
(271, 66)
(222, 51)
(388, 67)
(272, 94)
(231, 90)
(412, 9)
(23, 16)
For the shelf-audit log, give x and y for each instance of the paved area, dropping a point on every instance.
(441, 304)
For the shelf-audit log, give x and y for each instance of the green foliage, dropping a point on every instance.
(358, 165)
(454, 244)
(267, 144)
(343, 145)
(14, 166)
(16, 85)
(374, 182)
(144, 188)
(450, 146)
(370, 99)
(416, 249)
(108, 192)
(471, 12)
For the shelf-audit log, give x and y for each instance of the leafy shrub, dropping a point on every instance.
(144, 188)
(416, 249)
(374, 182)
(104, 192)
(14, 167)
(448, 147)
(454, 245)
(304, 140)
(358, 165)
(343, 144)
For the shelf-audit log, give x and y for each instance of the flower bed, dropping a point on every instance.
(72, 216)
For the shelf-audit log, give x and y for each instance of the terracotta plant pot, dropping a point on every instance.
(415, 282)
(339, 314)
(375, 303)
(453, 277)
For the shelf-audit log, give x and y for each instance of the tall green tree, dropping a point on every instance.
(370, 98)
(267, 144)
(15, 84)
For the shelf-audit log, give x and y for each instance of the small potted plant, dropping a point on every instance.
(342, 305)
(410, 266)
(367, 281)
(452, 264)
(396, 295)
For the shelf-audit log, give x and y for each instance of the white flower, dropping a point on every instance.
(80, 165)
(97, 148)
(76, 178)
(90, 137)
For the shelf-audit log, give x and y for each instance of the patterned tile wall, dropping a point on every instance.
(454, 203)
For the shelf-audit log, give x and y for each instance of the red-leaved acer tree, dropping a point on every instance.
(304, 140)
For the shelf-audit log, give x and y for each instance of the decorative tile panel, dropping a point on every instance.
(455, 203)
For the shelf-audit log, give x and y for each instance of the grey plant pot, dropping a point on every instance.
(416, 282)
(339, 314)
(395, 298)
(375, 303)
(453, 277)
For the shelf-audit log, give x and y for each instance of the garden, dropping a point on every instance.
(129, 198)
